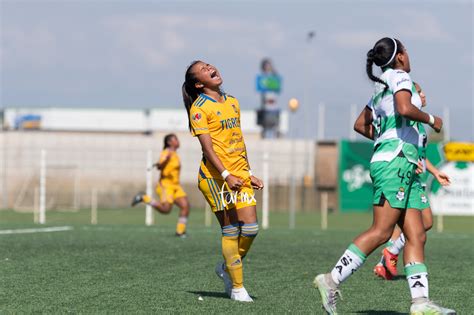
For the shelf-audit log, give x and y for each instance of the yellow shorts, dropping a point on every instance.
(220, 197)
(169, 192)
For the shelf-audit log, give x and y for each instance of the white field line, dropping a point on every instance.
(39, 230)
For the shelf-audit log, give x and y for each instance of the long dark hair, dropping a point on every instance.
(167, 139)
(381, 55)
(189, 89)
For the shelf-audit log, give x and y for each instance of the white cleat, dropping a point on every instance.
(328, 295)
(240, 295)
(224, 276)
(429, 308)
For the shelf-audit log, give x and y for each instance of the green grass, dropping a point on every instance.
(121, 266)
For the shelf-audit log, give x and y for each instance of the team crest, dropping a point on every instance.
(424, 199)
(401, 194)
(235, 109)
(197, 117)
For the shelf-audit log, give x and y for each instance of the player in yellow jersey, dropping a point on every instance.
(224, 176)
(168, 188)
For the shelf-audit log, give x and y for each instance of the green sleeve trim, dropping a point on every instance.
(353, 248)
(417, 268)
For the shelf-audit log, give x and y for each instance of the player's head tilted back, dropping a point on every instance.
(387, 52)
(171, 141)
(199, 78)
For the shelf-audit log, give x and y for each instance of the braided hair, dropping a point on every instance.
(383, 55)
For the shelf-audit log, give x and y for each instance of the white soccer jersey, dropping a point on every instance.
(393, 132)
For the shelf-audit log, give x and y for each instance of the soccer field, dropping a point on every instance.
(125, 267)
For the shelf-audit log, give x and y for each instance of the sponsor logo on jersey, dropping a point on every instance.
(402, 80)
(235, 109)
(401, 194)
(230, 123)
(197, 117)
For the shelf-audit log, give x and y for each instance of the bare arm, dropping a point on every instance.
(162, 165)
(441, 177)
(206, 143)
(363, 124)
(408, 110)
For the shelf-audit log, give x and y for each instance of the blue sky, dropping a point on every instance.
(133, 54)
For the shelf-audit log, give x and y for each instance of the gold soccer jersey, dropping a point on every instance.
(222, 122)
(168, 188)
(170, 173)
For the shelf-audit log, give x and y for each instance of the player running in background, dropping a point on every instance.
(387, 267)
(224, 176)
(391, 121)
(168, 187)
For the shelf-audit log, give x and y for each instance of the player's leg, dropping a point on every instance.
(183, 204)
(165, 202)
(427, 215)
(415, 269)
(247, 217)
(229, 223)
(385, 218)
(163, 205)
(381, 269)
(231, 270)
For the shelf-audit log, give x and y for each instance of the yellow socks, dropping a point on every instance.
(247, 235)
(181, 226)
(230, 251)
(146, 199)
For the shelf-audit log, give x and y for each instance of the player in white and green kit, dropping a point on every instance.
(391, 120)
(387, 267)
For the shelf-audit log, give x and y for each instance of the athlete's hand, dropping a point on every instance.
(438, 124)
(234, 182)
(419, 169)
(442, 178)
(256, 182)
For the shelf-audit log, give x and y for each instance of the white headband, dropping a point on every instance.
(393, 55)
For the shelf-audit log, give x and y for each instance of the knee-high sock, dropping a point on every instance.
(352, 259)
(230, 251)
(247, 235)
(417, 276)
(397, 245)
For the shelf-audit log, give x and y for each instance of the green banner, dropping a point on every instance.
(355, 185)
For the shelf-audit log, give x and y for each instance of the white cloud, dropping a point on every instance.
(157, 39)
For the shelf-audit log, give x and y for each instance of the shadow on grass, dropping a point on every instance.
(372, 312)
(210, 294)
(214, 294)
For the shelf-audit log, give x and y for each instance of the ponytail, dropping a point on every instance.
(189, 90)
(383, 55)
(370, 63)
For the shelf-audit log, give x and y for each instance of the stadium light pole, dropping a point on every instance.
(307, 113)
(293, 105)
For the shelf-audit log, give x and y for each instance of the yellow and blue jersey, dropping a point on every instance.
(222, 122)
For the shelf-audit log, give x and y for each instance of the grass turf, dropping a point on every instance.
(121, 266)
